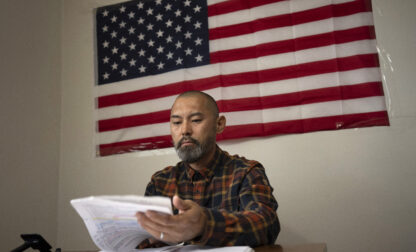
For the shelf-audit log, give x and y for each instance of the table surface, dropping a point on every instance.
(314, 247)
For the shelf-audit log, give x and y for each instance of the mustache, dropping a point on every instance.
(187, 139)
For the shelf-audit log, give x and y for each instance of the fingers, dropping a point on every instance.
(147, 224)
(181, 204)
(156, 223)
(186, 225)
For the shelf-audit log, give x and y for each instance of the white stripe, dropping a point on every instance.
(268, 10)
(251, 90)
(159, 129)
(296, 31)
(323, 109)
(343, 107)
(212, 2)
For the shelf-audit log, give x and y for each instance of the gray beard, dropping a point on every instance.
(191, 154)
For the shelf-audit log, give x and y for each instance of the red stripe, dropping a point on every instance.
(306, 125)
(132, 121)
(275, 74)
(135, 145)
(291, 45)
(236, 5)
(289, 19)
(257, 130)
(256, 103)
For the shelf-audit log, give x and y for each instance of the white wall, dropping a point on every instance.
(353, 189)
(30, 119)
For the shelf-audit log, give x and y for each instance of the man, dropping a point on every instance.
(220, 200)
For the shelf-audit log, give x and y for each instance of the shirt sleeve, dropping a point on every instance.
(255, 223)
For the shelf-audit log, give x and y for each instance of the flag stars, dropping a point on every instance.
(188, 51)
(198, 58)
(132, 62)
(123, 40)
(159, 33)
(169, 23)
(151, 59)
(187, 19)
(149, 11)
(123, 72)
(179, 61)
(132, 46)
(140, 41)
(187, 3)
(197, 25)
(160, 49)
(198, 41)
(188, 35)
(159, 17)
(141, 52)
(197, 9)
(132, 30)
(150, 43)
(131, 15)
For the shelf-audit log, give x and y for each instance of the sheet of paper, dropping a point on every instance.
(111, 220)
(196, 248)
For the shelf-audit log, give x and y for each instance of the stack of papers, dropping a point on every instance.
(113, 226)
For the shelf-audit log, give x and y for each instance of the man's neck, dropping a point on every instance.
(204, 161)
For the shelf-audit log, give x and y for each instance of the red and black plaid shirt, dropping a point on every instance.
(236, 196)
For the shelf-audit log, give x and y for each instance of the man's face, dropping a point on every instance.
(193, 127)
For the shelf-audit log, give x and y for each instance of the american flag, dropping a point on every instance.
(274, 67)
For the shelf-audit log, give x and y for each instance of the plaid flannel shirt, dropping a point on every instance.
(236, 196)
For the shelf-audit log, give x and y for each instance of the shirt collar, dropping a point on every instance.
(207, 172)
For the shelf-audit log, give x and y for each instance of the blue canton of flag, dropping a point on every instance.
(149, 37)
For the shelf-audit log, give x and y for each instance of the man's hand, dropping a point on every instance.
(186, 225)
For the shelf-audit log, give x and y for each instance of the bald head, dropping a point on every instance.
(209, 101)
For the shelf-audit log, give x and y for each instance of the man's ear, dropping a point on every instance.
(221, 121)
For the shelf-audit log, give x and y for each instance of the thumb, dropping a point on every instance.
(180, 204)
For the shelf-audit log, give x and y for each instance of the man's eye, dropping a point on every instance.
(176, 123)
(197, 120)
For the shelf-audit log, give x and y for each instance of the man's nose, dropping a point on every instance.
(186, 129)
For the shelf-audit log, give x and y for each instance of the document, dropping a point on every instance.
(197, 248)
(111, 220)
(112, 224)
